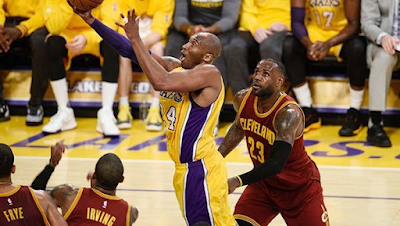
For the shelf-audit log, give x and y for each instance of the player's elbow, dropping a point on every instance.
(276, 167)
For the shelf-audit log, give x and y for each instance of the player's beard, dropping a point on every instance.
(265, 93)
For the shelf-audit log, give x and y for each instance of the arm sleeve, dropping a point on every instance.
(279, 154)
(162, 19)
(2, 13)
(181, 13)
(248, 17)
(117, 41)
(371, 19)
(230, 14)
(298, 28)
(41, 180)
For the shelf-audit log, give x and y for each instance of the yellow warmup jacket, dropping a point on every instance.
(17, 8)
(263, 13)
(161, 11)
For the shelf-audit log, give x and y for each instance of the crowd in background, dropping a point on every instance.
(294, 32)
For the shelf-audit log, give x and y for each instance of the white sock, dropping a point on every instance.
(356, 98)
(155, 102)
(108, 91)
(303, 95)
(60, 91)
(124, 101)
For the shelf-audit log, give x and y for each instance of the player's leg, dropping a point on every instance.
(40, 77)
(237, 75)
(254, 207)
(295, 58)
(124, 118)
(309, 207)
(64, 119)
(106, 122)
(153, 120)
(381, 69)
(354, 53)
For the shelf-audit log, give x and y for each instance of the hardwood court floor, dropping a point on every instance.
(361, 183)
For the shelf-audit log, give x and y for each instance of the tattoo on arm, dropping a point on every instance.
(287, 122)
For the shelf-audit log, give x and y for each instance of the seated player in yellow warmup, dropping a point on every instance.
(321, 29)
(192, 94)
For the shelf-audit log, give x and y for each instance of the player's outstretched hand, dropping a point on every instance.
(131, 25)
(233, 183)
(85, 15)
(56, 153)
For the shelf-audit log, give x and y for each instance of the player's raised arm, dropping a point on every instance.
(288, 124)
(236, 132)
(201, 50)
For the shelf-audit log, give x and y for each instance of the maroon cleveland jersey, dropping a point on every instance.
(20, 207)
(260, 136)
(92, 207)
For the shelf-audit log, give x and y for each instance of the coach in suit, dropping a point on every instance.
(380, 21)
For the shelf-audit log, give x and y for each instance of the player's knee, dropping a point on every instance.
(108, 52)
(359, 46)
(55, 46)
(289, 44)
(236, 48)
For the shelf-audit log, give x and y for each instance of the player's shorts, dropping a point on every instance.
(259, 205)
(201, 188)
(91, 47)
(316, 34)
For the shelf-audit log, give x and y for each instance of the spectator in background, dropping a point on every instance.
(17, 39)
(155, 19)
(218, 17)
(71, 37)
(380, 22)
(321, 29)
(263, 27)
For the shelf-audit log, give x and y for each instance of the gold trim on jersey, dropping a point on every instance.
(284, 105)
(128, 216)
(244, 101)
(101, 194)
(46, 221)
(10, 193)
(74, 203)
(246, 218)
(266, 114)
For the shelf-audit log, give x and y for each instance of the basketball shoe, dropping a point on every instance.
(106, 123)
(4, 112)
(63, 120)
(153, 120)
(312, 120)
(124, 118)
(352, 125)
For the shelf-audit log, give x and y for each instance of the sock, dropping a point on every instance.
(356, 98)
(124, 101)
(108, 92)
(375, 118)
(155, 102)
(60, 91)
(303, 95)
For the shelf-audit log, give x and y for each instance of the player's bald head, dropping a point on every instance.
(210, 42)
(6, 160)
(109, 171)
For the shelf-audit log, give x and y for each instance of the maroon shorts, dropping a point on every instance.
(260, 203)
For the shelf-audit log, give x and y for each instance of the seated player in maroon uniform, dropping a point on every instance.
(284, 180)
(97, 205)
(21, 205)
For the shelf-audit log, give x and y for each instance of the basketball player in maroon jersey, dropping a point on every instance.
(284, 180)
(21, 205)
(99, 204)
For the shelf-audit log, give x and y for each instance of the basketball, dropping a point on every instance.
(85, 5)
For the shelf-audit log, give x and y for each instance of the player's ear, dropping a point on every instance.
(122, 179)
(13, 169)
(280, 81)
(208, 58)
